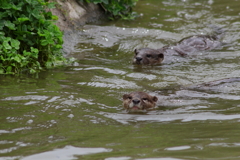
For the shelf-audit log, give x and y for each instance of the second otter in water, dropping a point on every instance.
(148, 56)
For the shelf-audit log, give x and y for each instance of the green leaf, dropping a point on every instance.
(6, 45)
(105, 1)
(36, 13)
(16, 7)
(1, 58)
(32, 70)
(29, 1)
(5, 5)
(1, 24)
(4, 15)
(97, 1)
(1, 71)
(25, 53)
(10, 25)
(34, 50)
(24, 24)
(48, 64)
(23, 19)
(54, 17)
(9, 69)
(44, 42)
(40, 33)
(24, 28)
(17, 59)
(35, 55)
(15, 44)
(51, 5)
(58, 46)
(2, 34)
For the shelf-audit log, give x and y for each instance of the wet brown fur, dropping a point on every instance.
(148, 56)
(136, 101)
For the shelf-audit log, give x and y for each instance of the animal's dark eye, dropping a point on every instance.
(145, 99)
(148, 55)
(129, 97)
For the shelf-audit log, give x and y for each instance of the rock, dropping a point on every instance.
(72, 14)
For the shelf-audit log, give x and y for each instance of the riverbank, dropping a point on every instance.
(72, 15)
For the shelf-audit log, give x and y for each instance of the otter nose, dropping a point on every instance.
(135, 101)
(138, 59)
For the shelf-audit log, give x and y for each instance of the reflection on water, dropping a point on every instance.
(171, 116)
(165, 158)
(66, 153)
(76, 112)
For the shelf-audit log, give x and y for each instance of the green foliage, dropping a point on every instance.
(118, 8)
(28, 38)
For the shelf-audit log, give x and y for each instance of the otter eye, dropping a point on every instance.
(129, 97)
(145, 99)
(148, 55)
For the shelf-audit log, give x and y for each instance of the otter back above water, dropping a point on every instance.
(186, 46)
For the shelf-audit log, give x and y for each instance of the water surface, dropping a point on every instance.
(75, 112)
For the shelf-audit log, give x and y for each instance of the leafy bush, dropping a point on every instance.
(28, 38)
(118, 8)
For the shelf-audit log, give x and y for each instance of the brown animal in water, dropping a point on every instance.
(137, 101)
(148, 56)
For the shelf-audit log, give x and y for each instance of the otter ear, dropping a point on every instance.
(154, 98)
(161, 55)
(125, 96)
(136, 51)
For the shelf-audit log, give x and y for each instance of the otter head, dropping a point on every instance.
(136, 101)
(147, 56)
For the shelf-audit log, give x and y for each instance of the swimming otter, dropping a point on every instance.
(215, 86)
(137, 101)
(148, 56)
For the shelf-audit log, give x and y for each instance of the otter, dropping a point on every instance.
(138, 101)
(186, 46)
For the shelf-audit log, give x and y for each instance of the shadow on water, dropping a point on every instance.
(76, 112)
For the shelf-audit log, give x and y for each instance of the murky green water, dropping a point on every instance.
(76, 113)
